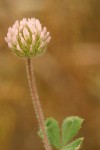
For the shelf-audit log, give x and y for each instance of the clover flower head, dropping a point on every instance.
(27, 38)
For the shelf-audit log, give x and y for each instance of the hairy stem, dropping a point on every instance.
(36, 103)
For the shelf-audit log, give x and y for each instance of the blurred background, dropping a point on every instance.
(67, 76)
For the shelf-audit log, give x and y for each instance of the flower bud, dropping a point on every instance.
(27, 38)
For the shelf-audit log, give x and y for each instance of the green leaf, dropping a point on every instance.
(53, 132)
(74, 145)
(70, 128)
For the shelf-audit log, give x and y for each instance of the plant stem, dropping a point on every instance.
(36, 103)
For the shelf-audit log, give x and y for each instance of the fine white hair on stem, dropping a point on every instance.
(37, 104)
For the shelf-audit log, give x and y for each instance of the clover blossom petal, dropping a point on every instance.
(28, 38)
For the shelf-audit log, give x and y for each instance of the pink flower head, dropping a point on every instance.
(27, 38)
